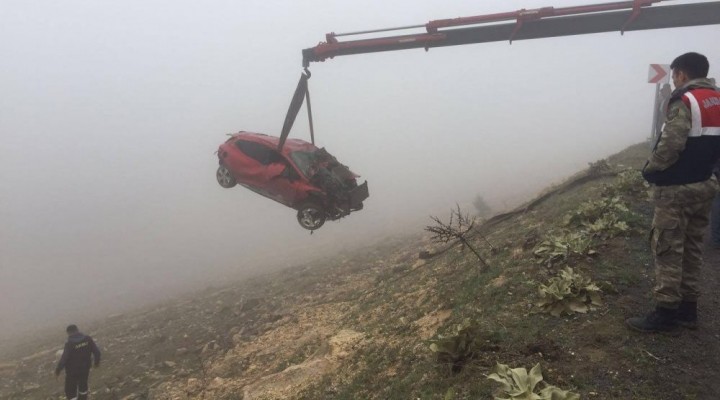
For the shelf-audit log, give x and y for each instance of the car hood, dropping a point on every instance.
(328, 162)
(321, 162)
(341, 171)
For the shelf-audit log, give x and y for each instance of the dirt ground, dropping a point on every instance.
(694, 357)
(359, 325)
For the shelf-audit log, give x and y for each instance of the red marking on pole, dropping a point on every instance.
(660, 73)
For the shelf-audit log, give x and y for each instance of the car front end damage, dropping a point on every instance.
(358, 195)
(341, 191)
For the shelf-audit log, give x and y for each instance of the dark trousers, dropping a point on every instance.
(76, 384)
(715, 222)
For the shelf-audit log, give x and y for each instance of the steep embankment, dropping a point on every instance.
(361, 325)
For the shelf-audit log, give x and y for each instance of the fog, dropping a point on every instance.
(110, 113)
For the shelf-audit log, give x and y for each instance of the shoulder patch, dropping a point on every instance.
(673, 111)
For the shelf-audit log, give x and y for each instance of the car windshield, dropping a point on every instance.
(305, 161)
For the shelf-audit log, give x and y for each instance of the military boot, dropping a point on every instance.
(687, 315)
(662, 320)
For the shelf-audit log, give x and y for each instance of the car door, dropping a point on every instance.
(265, 170)
(247, 164)
(281, 180)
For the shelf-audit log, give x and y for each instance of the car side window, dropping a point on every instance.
(258, 152)
(290, 173)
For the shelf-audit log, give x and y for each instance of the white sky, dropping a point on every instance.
(110, 112)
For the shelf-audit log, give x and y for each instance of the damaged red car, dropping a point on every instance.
(300, 176)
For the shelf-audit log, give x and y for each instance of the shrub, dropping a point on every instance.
(518, 384)
(629, 181)
(458, 347)
(559, 247)
(481, 207)
(605, 218)
(568, 293)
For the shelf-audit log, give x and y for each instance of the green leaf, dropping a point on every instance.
(450, 394)
(535, 376)
(555, 393)
(520, 377)
(568, 292)
(577, 306)
(518, 384)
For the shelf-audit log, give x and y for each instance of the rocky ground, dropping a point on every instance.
(359, 325)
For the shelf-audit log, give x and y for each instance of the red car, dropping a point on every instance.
(300, 176)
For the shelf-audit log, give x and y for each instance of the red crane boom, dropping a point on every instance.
(632, 15)
(529, 24)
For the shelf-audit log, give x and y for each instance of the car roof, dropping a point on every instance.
(273, 141)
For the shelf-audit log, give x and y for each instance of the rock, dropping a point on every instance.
(28, 387)
(428, 324)
(169, 364)
(10, 366)
(216, 383)
(284, 384)
(249, 304)
(193, 386)
(159, 338)
(237, 339)
(181, 351)
(343, 342)
(209, 347)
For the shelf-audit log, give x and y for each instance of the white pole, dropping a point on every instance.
(656, 109)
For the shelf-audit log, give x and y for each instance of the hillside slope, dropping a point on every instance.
(360, 325)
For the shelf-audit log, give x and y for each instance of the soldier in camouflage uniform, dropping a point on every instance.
(680, 168)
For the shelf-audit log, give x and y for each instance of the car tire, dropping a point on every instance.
(225, 178)
(311, 216)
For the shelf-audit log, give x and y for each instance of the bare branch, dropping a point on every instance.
(457, 229)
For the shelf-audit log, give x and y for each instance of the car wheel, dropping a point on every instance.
(225, 178)
(311, 216)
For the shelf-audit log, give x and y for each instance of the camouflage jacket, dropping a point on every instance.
(671, 144)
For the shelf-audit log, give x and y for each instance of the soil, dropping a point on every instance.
(359, 325)
(693, 358)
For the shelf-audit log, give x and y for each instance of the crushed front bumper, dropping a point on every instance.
(358, 194)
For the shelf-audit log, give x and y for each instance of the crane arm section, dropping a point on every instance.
(529, 24)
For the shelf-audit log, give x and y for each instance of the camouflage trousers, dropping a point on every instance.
(678, 228)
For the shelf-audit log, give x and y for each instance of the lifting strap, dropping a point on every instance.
(302, 93)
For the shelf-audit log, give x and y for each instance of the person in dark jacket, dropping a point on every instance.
(76, 359)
